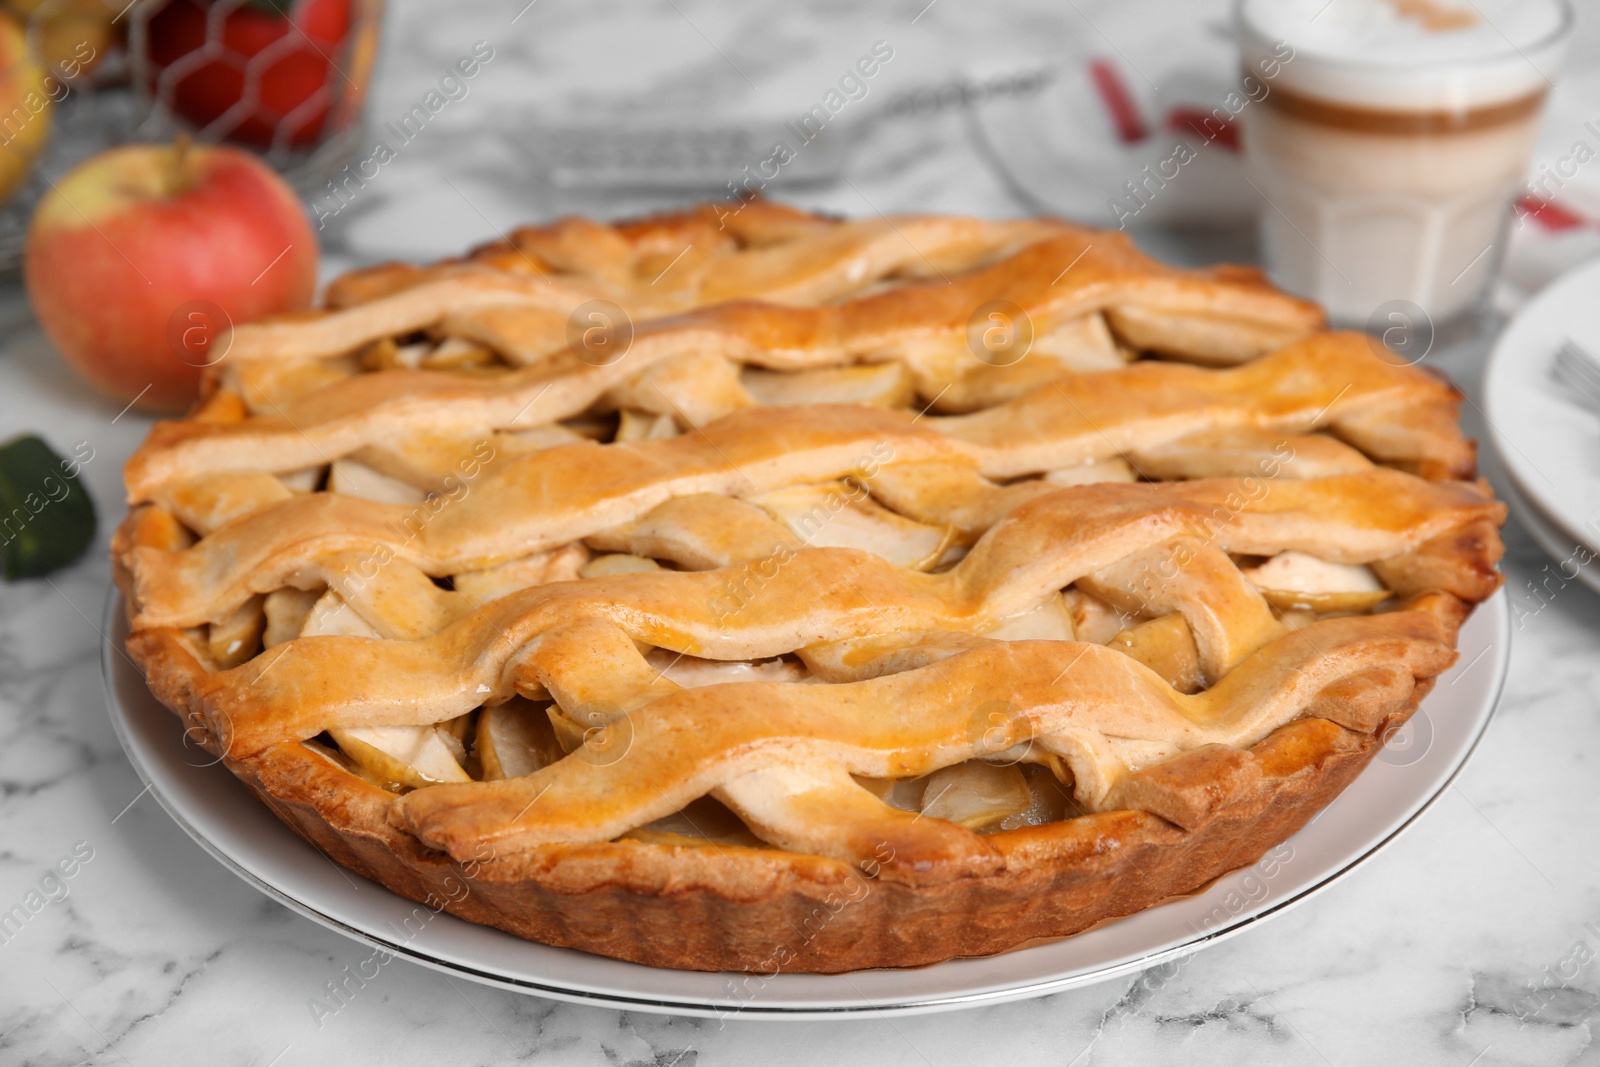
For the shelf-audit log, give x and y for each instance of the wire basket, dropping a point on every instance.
(287, 79)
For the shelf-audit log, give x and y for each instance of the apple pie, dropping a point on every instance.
(780, 592)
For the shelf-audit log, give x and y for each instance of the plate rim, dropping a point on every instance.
(1543, 533)
(1497, 380)
(1497, 606)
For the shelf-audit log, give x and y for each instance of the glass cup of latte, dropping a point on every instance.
(1391, 140)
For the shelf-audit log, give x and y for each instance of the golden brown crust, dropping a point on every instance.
(971, 525)
(716, 908)
(711, 907)
(925, 324)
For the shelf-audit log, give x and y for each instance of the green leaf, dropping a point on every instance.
(46, 516)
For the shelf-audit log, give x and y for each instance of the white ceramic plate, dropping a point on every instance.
(1550, 540)
(1060, 153)
(1549, 444)
(220, 814)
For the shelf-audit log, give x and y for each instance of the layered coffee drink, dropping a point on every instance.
(1391, 143)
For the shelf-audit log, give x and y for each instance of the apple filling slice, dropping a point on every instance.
(1165, 645)
(617, 563)
(701, 823)
(349, 478)
(983, 797)
(1093, 619)
(975, 794)
(331, 614)
(635, 425)
(456, 353)
(840, 515)
(556, 565)
(885, 385)
(514, 739)
(287, 611)
(1294, 580)
(235, 639)
(403, 756)
(304, 480)
(692, 672)
(1050, 621)
(536, 438)
(1115, 469)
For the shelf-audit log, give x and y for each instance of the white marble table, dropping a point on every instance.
(1469, 941)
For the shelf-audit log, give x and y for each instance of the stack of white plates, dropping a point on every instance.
(1547, 439)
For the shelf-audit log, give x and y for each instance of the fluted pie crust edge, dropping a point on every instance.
(762, 911)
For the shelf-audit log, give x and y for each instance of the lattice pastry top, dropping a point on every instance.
(794, 578)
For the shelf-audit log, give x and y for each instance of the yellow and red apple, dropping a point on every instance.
(24, 107)
(138, 261)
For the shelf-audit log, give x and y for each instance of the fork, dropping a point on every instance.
(1578, 371)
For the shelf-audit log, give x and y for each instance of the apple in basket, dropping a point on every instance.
(140, 261)
(25, 106)
(264, 73)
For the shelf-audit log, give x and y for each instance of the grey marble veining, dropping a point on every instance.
(1470, 941)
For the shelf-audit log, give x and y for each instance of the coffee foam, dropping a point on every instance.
(1374, 54)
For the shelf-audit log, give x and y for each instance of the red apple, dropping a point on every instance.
(143, 256)
(269, 58)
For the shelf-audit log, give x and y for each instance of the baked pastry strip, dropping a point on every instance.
(1218, 314)
(1074, 697)
(823, 595)
(1135, 411)
(564, 384)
